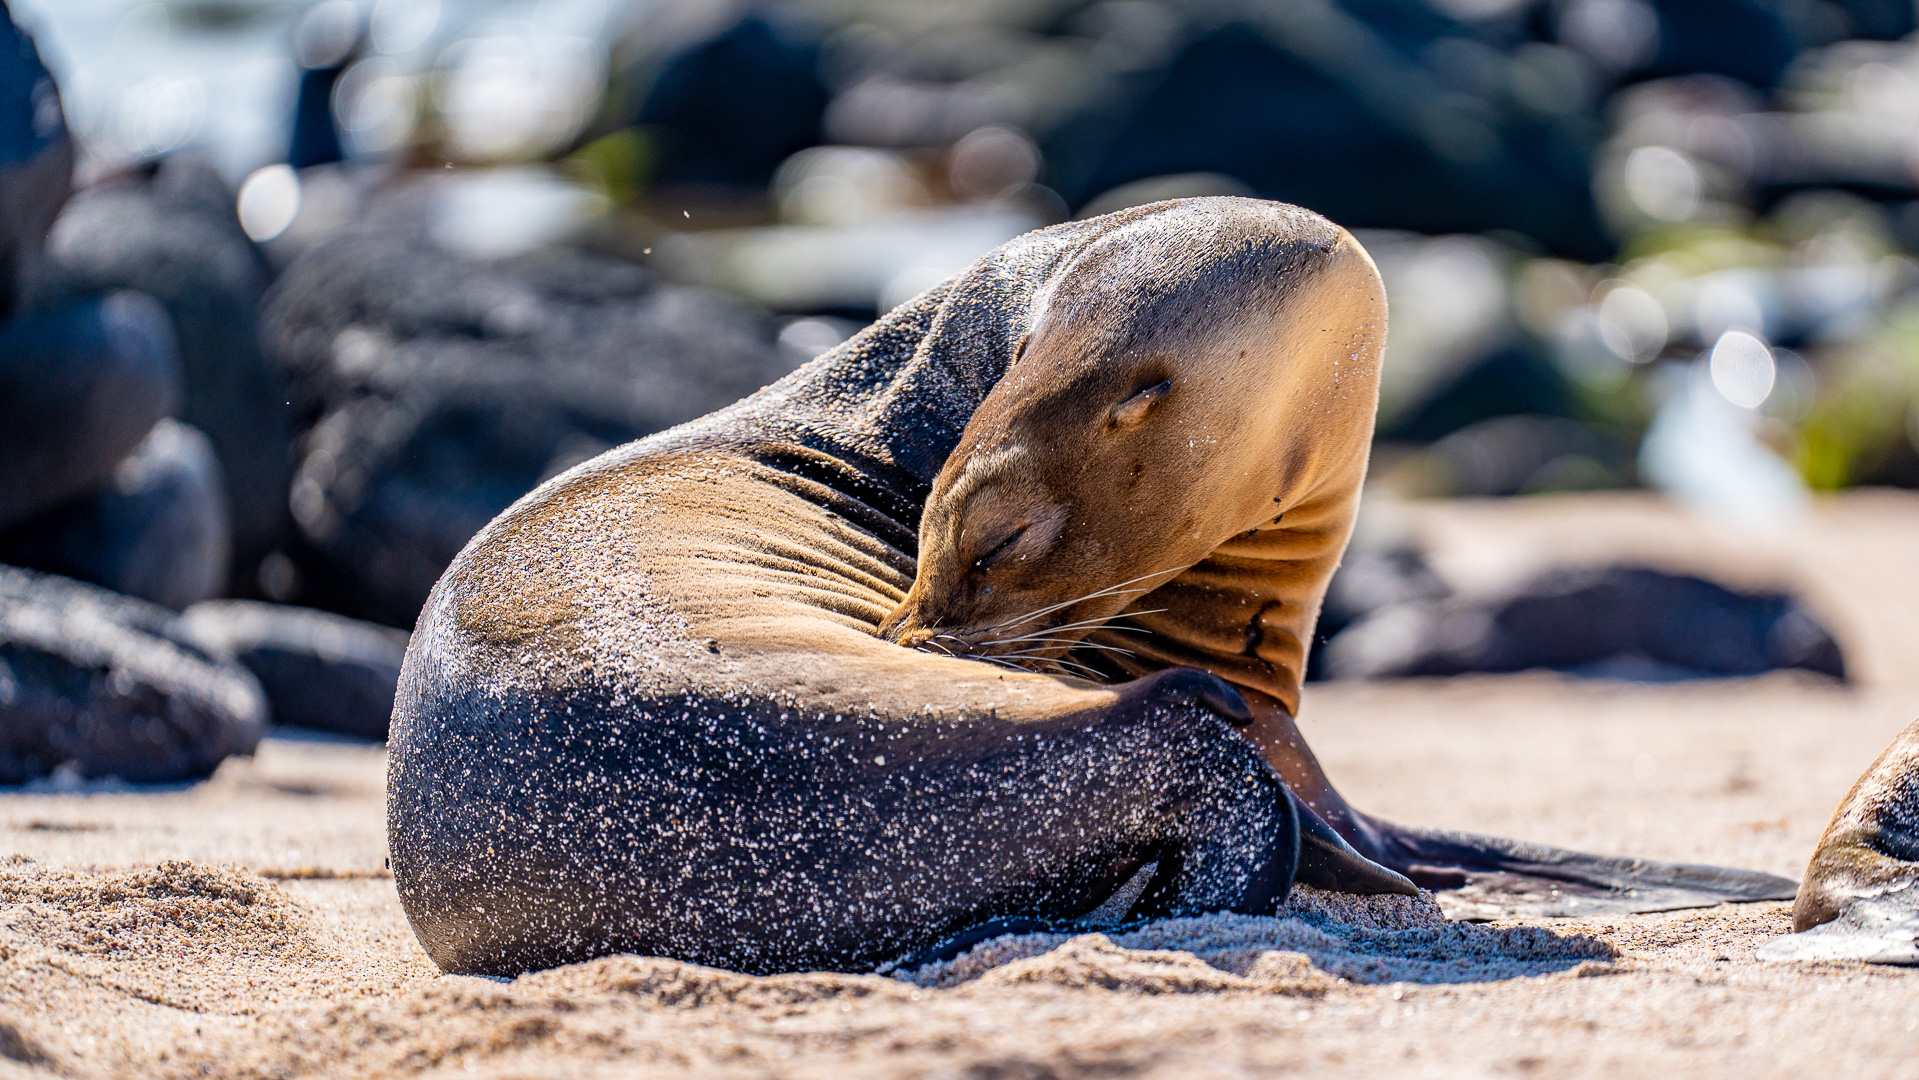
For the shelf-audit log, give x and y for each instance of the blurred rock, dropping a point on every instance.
(1401, 122)
(1749, 41)
(158, 530)
(848, 185)
(319, 670)
(1506, 380)
(491, 214)
(1863, 427)
(171, 231)
(80, 386)
(440, 389)
(870, 266)
(506, 93)
(1369, 578)
(728, 109)
(325, 41)
(1617, 622)
(1516, 455)
(1887, 20)
(106, 686)
(36, 161)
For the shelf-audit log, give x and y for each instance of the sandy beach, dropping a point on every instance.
(246, 926)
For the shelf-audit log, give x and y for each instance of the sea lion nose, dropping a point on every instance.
(905, 630)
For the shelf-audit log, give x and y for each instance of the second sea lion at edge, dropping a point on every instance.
(1860, 896)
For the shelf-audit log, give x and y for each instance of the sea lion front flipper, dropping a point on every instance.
(1327, 861)
(1490, 877)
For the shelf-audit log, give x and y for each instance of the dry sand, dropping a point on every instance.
(245, 926)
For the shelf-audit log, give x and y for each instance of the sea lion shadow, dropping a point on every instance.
(66, 782)
(1316, 942)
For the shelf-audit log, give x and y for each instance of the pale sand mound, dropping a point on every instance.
(128, 960)
(114, 963)
(1318, 939)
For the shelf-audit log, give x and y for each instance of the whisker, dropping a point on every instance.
(1078, 643)
(1071, 666)
(1107, 591)
(1050, 608)
(1081, 670)
(1071, 643)
(1088, 623)
(1012, 662)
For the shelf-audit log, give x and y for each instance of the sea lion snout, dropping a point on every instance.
(987, 535)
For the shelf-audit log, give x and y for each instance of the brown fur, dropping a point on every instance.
(1189, 432)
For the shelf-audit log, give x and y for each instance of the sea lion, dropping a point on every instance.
(647, 708)
(1860, 896)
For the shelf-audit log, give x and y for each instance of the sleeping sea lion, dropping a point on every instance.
(1860, 896)
(647, 708)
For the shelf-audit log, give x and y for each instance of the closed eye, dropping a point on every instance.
(999, 550)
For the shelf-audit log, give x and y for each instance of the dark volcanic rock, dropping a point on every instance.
(108, 686)
(1309, 104)
(1370, 577)
(158, 530)
(319, 670)
(36, 161)
(442, 389)
(731, 108)
(171, 231)
(80, 386)
(1519, 455)
(1610, 621)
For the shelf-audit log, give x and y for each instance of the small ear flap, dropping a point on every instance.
(1134, 409)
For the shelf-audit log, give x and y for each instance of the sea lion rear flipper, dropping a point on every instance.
(1489, 877)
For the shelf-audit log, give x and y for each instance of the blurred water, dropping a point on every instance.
(140, 78)
(1703, 448)
(143, 77)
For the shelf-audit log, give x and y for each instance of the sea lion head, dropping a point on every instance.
(1177, 376)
